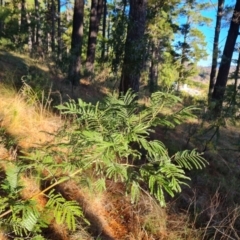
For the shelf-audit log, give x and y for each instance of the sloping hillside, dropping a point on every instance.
(209, 209)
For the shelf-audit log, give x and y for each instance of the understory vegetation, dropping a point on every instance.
(117, 167)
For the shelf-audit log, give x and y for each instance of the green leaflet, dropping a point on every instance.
(64, 211)
(190, 159)
(11, 181)
(135, 192)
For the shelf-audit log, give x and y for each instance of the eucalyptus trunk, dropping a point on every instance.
(215, 49)
(134, 47)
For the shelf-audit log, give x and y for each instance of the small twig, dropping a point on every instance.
(215, 132)
(228, 237)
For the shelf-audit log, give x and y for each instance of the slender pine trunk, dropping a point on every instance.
(95, 18)
(104, 29)
(76, 44)
(59, 38)
(215, 49)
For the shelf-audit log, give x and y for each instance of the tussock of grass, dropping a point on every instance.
(2, 236)
(28, 123)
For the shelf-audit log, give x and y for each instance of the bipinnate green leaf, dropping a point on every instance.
(30, 218)
(190, 159)
(64, 211)
(12, 177)
(113, 138)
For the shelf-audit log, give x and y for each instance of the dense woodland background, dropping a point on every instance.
(110, 129)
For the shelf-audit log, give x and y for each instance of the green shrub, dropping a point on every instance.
(113, 138)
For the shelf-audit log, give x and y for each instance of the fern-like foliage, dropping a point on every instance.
(24, 218)
(113, 138)
(11, 182)
(190, 159)
(64, 211)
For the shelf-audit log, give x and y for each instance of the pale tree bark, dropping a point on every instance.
(95, 18)
(215, 48)
(134, 47)
(222, 77)
(76, 44)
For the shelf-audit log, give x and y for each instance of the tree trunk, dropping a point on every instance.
(184, 57)
(215, 48)
(108, 33)
(36, 33)
(104, 29)
(225, 65)
(134, 47)
(76, 44)
(153, 71)
(236, 76)
(53, 11)
(59, 39)
(23, 19)
(2, 3)
(30, 33)
(37, 19)
(118, 34)
(95, 17)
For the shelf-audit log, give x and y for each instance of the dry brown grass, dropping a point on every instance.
(2, 236)
(28, 123)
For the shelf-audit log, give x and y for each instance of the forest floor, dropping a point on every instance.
(208, 209)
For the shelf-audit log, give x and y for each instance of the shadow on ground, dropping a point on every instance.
(18, 68)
